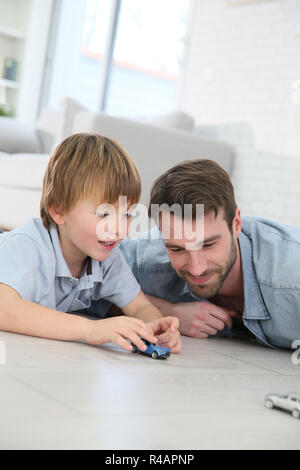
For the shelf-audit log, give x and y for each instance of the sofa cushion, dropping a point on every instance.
(17, 137)
(154, 149)
(175, 120)
(23, 170)
(17, 205)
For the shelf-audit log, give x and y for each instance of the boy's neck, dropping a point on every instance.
(75, 259)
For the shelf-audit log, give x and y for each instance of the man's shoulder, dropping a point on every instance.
(260, 228)
(148, 251)
(275, 251)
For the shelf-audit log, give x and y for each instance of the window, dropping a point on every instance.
(79, 50)
(148, 52)
(137, 46)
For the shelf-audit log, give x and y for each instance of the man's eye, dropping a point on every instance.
(208, 245)
(175, 250)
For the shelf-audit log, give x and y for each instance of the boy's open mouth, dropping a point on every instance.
(108, 245)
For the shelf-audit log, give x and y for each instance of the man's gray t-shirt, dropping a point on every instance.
(32, 263)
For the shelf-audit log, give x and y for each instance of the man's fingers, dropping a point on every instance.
(218, 313)
(203, 328)
(215, 323)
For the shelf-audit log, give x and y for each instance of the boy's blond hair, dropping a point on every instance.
(88, 167)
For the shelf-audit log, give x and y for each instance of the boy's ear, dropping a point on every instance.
(57, 215)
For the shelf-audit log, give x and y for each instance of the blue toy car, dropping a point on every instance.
(156, 351)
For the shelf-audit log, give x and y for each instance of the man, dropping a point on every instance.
(243, 278)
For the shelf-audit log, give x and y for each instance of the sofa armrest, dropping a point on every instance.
(17, 137)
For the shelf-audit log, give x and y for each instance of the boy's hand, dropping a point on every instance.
(118, 330)
(166, 331)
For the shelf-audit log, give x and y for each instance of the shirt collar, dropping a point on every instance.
(185, 289)
(254, 307)
(92, 271)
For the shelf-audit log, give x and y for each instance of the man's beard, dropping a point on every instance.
(209, 291)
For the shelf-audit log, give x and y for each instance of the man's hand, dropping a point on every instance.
(166, 331)
(202, 319)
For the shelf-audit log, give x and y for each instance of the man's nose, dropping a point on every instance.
(197, 265)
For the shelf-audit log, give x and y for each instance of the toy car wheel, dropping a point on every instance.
(269, 404)
(296, 413)
(154, 355)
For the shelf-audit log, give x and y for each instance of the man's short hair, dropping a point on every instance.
(88, 167)
(196, 182)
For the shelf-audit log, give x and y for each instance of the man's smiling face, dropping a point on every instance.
(206, 266)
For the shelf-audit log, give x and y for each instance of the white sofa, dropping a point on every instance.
(24, 152)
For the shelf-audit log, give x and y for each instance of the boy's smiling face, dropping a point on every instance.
(91, 230)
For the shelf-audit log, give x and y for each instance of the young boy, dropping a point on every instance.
(68, 260)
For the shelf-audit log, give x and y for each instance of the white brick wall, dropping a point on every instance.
(241, 66)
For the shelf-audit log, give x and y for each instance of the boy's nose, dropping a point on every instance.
(119, 230)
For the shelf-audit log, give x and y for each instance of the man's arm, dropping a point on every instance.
(197, 319)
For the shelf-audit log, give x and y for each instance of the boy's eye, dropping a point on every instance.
(106, 214)
(102, 215)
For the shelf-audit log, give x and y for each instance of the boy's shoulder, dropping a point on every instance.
(32, 229)
(31, 234)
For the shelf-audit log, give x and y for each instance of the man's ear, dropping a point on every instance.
(57, 215)
(237, 223)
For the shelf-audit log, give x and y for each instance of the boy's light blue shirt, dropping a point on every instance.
(270, 255)
(32, 263)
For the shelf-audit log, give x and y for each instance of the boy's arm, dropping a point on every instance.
(28, 318)
(142, 308)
